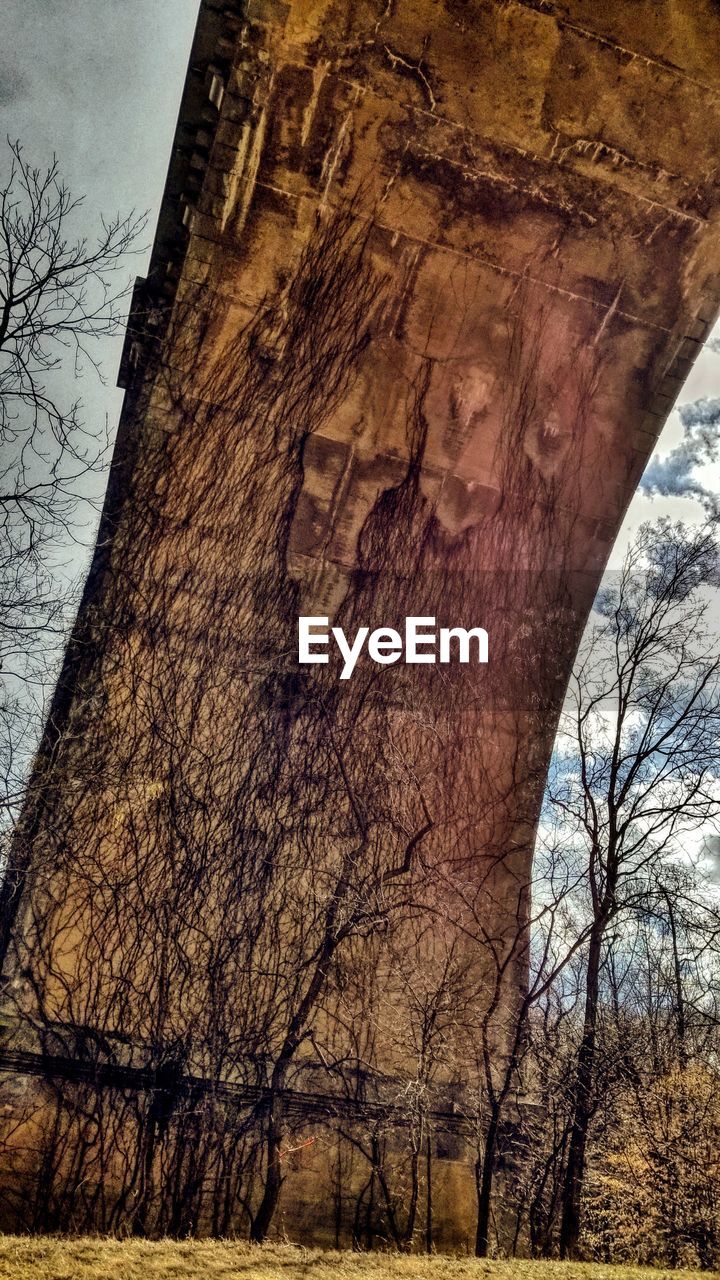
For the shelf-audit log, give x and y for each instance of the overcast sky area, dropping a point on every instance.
(683, 462)
(98, 82)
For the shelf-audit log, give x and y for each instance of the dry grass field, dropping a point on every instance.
(48, 1258)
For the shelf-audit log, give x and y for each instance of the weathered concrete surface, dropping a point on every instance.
(491, 144)
(509, 214)
(540, 185)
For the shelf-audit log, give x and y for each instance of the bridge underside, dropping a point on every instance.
(427, 280)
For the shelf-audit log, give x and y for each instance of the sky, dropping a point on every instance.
(98, 84)
(682, 461)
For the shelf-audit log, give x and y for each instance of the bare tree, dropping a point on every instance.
(221, 831)
(238, 860)
(653, 1182)
(59, 294)
(636, 769)
(252, 824)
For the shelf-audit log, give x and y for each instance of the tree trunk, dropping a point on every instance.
(414, 1199)
(273, 1176)
(428, 1193)
(139, 1221)
(484, 1172)
(582, 1111)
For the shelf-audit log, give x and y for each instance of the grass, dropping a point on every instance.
(89, 1258)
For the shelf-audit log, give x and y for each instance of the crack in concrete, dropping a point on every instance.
(524, 152)
(514, 274)
(532, 190)
(576, 145)
(332, 158)
(319, 72)
(396, 59)
(631, 55)
(510, 272)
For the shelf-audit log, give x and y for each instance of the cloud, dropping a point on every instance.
(704, 413)
(674, 476)
(13, 84)
(711, 858)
